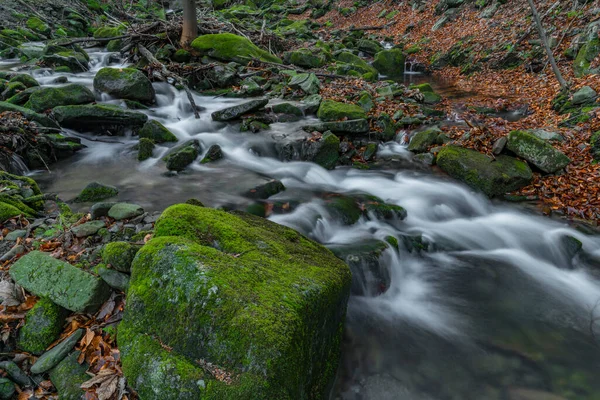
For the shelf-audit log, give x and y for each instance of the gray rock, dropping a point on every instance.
(52, 357)
(355, 126)
(546, 134)
(14, 235)
(68, 376)
(308, 83)
(236, 112)
(311, 103)
(425, 158)
(16, 374)
(87, 229)
(115, 279)
(124, 83)
(584, 96)
(14, 251)
(499, 145)
(266, 190)
(122, 211)
(178, 158)
(101, 209)
(536, 151)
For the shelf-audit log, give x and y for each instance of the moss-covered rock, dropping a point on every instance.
(271, 314)
(50, 97)
(145, 149)
(96, 191)
(330, 110)
(7, 388)
(236, 112)
(64, 284)
(287, 108)
(536, 151)
(308, 83)
(429, 95)
(182, 56)
(595, 143)
(587, 53)
(105, 32)
(390, 62)
(121, 211)
(120, 255)
(348, 62)
(370, 47)
(124, 83)
(492, 177)
(8, 211)
(180, 157)
(99, 118)
(26, 79)
(37, 25)
(68, 376)
(28, 114)
(324, 152)
(214, 153)
(230, 47)
(421, 141)
(156, 132)
(75, 60)
(307, 58)
(43, 325)
(11, 89)
(351, 127)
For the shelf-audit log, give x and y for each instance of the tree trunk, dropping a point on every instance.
(190, 23)
(563, 84)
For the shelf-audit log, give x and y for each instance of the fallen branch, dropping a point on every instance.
(532, 27)
(164, 71)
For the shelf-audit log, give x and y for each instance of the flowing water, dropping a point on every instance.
(493, 302)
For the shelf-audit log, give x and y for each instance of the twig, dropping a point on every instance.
(531, 27)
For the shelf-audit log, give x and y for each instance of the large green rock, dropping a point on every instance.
(236, 112)
(96, 191)
(180, 157)
(230, 47)
(156, 132)
(64, 284)
(74, 60)
(308, 83)
(68, 376)
(324, 152)
(99, 118)
(492, 177)
(536, 151)
(253, 298)
(587, 53)
(124, 83)
(26, 79)
(350, 62)
(307, 58)
(421, 141)
(105, 32)
(390, 62)
(50, 97)
(351, 127)
(43, 325)
(28, 114)
(330, 110)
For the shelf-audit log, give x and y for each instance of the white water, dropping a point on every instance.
(494, 273)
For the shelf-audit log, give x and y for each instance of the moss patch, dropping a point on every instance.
(43, 325)
(230, 47)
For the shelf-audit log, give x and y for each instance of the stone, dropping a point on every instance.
(121, 211)
(492, 177)
(230, 47)
(595, 144)
(262, 299)
(536, 151)
(52, 357)
(27, 80)
(287, 108)
(43, 325)
(156, 132)
(96, 191)
(28, 114)
(334, 111)
(370, 47)
(307, 82)
(584, 97)
(115, 279)
(545, 134)
(178, 158)
(311, 103)
(120, 255)
(499, 145)
(87, 229)
(390, 62)
(236, 112)
(7, 388)
(145, 149)
(307, 58)
(429, 95)
(64, 284)
(214, 153)
(425, 158)
(588, 52)
(76, 59)
(16, 234)
(266, 190)
(352, 127)
(16, 374)
(49, 97)
(348, 62)
(99, 118)
(125, 83)
(101, 209)
(324, 152)
(421, 141)
(68, 376)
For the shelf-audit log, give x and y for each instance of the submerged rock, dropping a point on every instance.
(536, 151)
(230, 47)
(236, 112)
(492, 177)
(50, 97)
(124, 83)
(258, 300)
(266, 190)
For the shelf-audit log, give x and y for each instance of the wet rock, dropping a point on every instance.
(22, 97)
(156, 132)
(87, 229)
(68, 376)
(421, 141)
(60, 57)
(324, 152)
(356, 126)
(370, 151)
(96, 191)
(28, 114)
(120, 255)
(11, 89)
(287, 108)
(499, 145)
(214, 153)
(124, 83)
(52, 357)
(266, 190)
(43, 325)
(536, 151)
(545, 134)
(334, 111)
(101, 209)
(16, 374)
(307, 82)
(230, 47)
(492, 177)
(50, 97)
(307, 58)
(311, 103)
(145, 149)
(99, 118)
(236, 112)
(288, 296)
(425, 158)
(178, 158)
(429, 95)
(121, 211)
(7, 388)
(584, 97)
(115, 279)
(64, 284)
(390, 62)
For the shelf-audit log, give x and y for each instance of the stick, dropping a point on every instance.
(528, 32)
(148, 55)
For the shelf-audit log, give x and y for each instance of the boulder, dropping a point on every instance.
(287, 108)
(236, 112)
(56, 56)
(308, 83)
(120, 255)
(156, 132)
(99, 118)
(390, 62)
(348, 62)
(181, 156)
(307, 58)
(26, 79)
(334, 111)
(492, 177)
(260, 301)
(7, 388)
(536, 151)
(421, 141)
(324, 152)
(43, 325)
(546, 134)
(68, 376)
(121, 211)
(50, 97)
(96, 191)
(125, 83)
(64, 284)
(230, 47)
(586, 96)
(87, 229)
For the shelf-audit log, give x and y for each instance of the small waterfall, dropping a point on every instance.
(13, 163)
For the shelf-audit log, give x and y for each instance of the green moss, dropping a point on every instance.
(114, 45)
(43, 325)
(307, 58)
(230, 47)
(421, 141)
(120, 255)
(68, 376)
(156, 132)
(390, 62)
(8, 211)
(25, 79)
(109, 32)
(95, 192)
(349, 62)
(37, 25)
(330, 110)
(50, 97)
(182, 56)
(586, 55)
(124, 83)
(145, 149)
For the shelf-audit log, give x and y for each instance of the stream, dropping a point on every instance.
(492, 304)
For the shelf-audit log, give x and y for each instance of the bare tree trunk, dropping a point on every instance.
(563, 84)
(190, 23)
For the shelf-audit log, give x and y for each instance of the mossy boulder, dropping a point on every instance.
(7, 388)
(236, 112)
(324, 152)
(145, 149)
(105, 32)
(26, 79)
(8, 211)
(50, 97)
(536, 151)
(421, 141)
(370, 47)
(96, 191)
(230, 47)
(68, 376)
(120, 255)
(156, 132)
(258, 300)
(182, 56)
(37, 25)
(348, 62)
(43, 325)
(11, 89)
(308, 83)
(307, 58)
(64, 284)
(287, 108)
(330, 110)
(587, 53)
(429, 95)
(390, 62)
(55, 56)
(214, 153)
(180, 157)
(99, 118)
(125, 83)
(492, 177)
